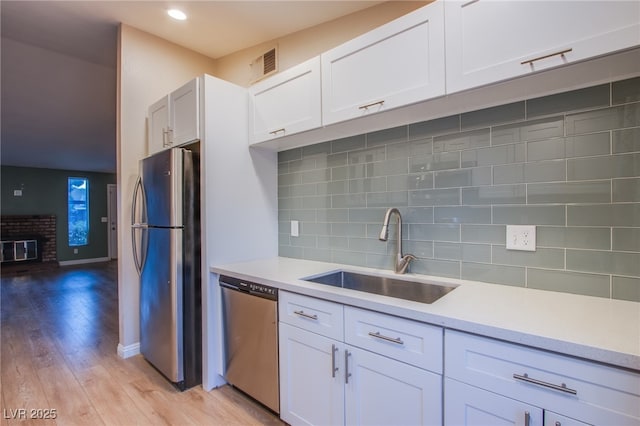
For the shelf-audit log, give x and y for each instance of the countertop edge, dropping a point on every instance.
(416, 311)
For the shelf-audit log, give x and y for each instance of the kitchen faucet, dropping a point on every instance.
(401, 261)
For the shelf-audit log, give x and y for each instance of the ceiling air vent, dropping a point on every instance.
(264, 65)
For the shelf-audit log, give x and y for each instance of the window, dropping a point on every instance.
(78, 208)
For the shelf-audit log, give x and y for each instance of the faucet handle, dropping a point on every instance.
(403, 263)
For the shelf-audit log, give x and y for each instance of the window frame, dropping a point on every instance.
(71, 240)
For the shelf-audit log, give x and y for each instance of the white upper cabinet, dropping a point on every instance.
(490, 41)
(158, 126)
(175, 119)
(286, 103)
(397, 64)
(184, 111)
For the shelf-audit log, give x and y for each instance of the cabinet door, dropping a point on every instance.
(311, 391)
(554, 419)
(286, 103)
(158, 122)
(576, 388)
(383, 391)
(490, 41)
(396, 64)
(470, 406)
(185, 113)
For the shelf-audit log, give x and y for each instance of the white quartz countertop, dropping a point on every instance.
(593, 328)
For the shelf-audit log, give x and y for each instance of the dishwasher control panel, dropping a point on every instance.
(256, 289)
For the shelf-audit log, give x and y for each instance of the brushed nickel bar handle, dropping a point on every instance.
(334, 349)
(306, 315)
(346, 366)
(561, 53)
(276, 131)
(395, 340)
(371, 104)
(527, 418)
(562, 387)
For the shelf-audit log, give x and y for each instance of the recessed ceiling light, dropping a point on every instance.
(177, 14)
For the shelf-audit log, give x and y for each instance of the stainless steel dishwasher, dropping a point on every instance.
(250, 313)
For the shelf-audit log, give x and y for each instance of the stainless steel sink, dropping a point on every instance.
(385, 286)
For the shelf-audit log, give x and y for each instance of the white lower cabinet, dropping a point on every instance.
(555, 419)
(383, 391)
(467, 405)
(311, 393)
(327, 381)
(482, 374)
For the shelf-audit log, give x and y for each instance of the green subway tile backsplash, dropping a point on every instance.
(627, 140)
(625, 91)
(575, 100)
(568, 163)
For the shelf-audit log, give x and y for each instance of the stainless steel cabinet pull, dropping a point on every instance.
(172, 137)
(346, 366)
(167, 136)
(306, 315)
(371, 104)
(377, 335)
(334, 349)
(560, 53)
(164, 136)
(277, 131)
(527, 418)
(562, 387)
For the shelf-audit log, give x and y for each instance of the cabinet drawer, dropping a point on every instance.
(579, 389)
(402, 339)
(315, 315)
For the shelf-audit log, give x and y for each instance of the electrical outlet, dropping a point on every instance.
(295, 231)
(521, 237)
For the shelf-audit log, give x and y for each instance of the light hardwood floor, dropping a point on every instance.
(59, 334)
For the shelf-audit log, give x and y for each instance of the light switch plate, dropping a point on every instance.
(295, 231)
(521, 237)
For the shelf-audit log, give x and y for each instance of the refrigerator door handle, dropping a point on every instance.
(134, 204)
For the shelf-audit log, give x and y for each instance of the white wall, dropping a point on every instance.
(148, 68)
(36, 83)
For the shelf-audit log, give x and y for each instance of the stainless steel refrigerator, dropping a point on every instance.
(166, 248)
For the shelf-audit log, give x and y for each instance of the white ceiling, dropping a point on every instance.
(59, 65)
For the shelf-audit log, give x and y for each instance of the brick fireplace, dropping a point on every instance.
(32, 227)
